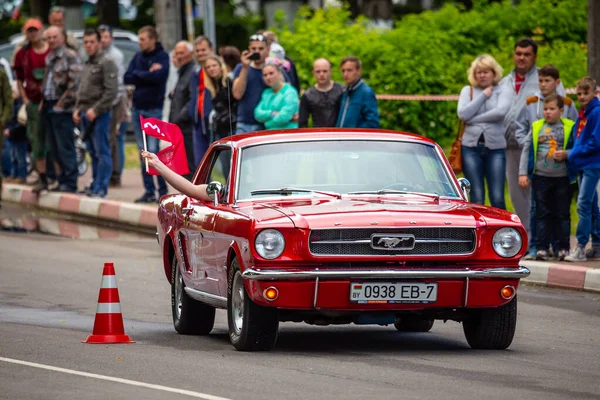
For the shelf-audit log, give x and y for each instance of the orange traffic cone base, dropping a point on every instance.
(99, 339)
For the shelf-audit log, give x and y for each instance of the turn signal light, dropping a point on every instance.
(271, 293)
(507, 292)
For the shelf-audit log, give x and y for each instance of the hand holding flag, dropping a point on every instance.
(174, 156)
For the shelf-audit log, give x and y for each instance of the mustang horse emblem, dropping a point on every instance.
(391, 242)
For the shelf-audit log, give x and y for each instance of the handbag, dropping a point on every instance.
(455, 157)
(22, 115)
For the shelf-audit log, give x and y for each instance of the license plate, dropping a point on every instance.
(397, 292)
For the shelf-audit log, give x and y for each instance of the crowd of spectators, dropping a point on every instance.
(521, 130)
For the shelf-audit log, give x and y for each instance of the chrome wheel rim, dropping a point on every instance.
(237, 303)
(178, 292)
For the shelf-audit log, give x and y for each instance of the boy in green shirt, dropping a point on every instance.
(549, 178)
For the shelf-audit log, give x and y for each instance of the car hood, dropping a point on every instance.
(317, 213)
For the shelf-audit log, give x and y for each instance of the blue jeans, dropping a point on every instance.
(242, 127)
(153, 147)
(532, 249)
(552, 197)
(587, 208)
(14, 159)
(5, 157)
(481, 163)
(201, 143)
(98, 146)
(61, 137)
(121, 145)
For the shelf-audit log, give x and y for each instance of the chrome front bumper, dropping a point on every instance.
(280, 275)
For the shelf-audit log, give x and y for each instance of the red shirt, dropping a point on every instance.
(29, 68)
(201, 88)
(518, 82)
(582, 122)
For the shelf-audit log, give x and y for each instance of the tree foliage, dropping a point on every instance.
(429, 53)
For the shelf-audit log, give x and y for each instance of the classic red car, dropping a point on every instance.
(338, 226)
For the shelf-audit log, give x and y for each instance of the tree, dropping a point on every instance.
(40, 9)
(108, 13)
(73, 14)
(373, 9)
(168, 21)
(593, 39)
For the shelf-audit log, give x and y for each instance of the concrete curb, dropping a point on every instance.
(568, 276)
(103, 209)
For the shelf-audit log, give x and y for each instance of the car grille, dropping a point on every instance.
(359, 242)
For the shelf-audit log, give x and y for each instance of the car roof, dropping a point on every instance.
(287, 135)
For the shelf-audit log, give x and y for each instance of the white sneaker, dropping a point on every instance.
(577, 254)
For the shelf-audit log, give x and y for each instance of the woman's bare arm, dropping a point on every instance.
(177, 181)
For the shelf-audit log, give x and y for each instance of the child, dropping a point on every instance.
(15, 136)
(584, 159)
(549, 81)
(550, 183)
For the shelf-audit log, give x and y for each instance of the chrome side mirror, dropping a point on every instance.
(465, 186)
(214, 190)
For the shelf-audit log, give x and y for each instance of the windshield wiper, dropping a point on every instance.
(289, 190)
(436, 197)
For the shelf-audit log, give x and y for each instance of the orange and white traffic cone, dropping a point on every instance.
(108, 325)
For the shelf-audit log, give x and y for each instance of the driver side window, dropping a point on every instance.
(219, 170)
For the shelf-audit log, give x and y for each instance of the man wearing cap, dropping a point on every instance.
(120, 111)
(29, 66)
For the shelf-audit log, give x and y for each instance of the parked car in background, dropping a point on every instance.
(126, 41)
(338, 226)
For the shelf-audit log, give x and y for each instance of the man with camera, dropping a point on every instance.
(248, 83)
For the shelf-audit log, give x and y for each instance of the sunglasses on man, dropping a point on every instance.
(258, 38)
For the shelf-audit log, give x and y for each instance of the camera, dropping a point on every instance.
(254, 56)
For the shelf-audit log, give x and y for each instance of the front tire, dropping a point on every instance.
(412, 324)
(251, 327)
(492, 328)
(190, 317)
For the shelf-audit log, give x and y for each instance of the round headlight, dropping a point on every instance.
(269, 244)
(507, 242)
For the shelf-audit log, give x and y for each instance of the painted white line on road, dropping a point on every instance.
(118, 380)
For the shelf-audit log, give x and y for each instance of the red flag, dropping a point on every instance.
(173, 156)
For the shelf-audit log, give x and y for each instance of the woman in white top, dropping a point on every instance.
(483, 105)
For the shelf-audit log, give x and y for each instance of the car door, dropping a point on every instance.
(196, 225)
(201, 233)
(221, 238)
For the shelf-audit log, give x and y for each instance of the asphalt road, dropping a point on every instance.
(49, 288)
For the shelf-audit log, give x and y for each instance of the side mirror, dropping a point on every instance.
(214, 190)
(465, 186)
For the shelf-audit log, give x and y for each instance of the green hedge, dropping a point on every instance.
(429, 53)
(9, 27)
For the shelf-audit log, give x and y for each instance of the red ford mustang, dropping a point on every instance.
(338, 226)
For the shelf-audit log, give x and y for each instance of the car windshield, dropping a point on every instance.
(356, 167)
